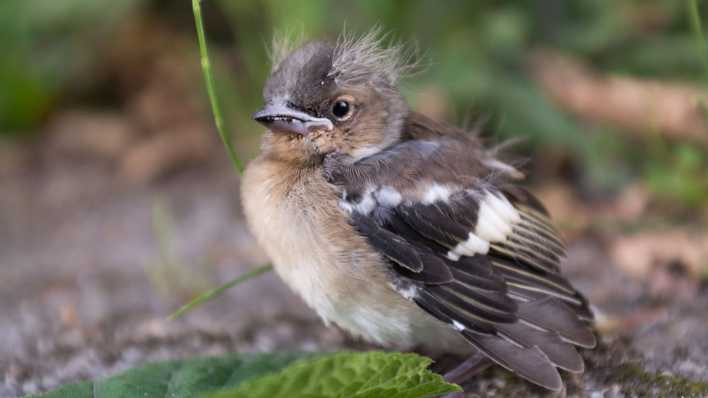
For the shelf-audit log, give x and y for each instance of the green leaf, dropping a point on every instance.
(76, 390)
(350, 375)
(355, 375)
(181, 378)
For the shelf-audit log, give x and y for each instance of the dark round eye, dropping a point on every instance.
(341, 109)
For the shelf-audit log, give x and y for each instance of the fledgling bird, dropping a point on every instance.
(402, 230)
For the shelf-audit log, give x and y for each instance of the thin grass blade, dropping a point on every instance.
(213, 293)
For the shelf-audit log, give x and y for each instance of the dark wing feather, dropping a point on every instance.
(552, 314)
(531, 363)
(432, 222)
(487, 262)
(551, 344)
(415, 262)
(448, 314)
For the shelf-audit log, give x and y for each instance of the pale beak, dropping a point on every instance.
(281, 118)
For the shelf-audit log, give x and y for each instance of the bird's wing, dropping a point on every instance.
(486, 261)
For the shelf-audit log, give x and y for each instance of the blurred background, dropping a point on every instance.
(118, 203)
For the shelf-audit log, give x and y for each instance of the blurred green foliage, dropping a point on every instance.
(47, 47)
(476, 54)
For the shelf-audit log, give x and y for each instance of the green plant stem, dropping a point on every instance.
(695, 18)
(235, 161)
(211, 294)
(209, 80)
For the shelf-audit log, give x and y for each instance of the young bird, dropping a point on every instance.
(402, 230)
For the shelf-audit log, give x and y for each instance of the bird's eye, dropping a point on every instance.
(342, 109)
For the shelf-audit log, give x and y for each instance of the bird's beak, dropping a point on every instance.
(281, 118)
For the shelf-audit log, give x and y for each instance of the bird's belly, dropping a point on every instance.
(365, 308)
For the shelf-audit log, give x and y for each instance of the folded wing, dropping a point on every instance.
(485, 260)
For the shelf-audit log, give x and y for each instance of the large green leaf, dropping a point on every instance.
(359, 375)
(183, 378)
(350, 375)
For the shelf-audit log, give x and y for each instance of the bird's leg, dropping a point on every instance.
(465, 370)
(443, 362)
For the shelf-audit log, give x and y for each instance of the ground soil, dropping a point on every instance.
(84, 292)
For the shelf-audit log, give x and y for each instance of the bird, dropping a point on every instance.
(403, 230)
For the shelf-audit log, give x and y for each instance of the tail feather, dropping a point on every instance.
(530, 363)
(552, 314)
(561, 354)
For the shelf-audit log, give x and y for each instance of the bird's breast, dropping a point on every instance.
(287, 224)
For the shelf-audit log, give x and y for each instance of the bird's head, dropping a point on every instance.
(325, 97)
